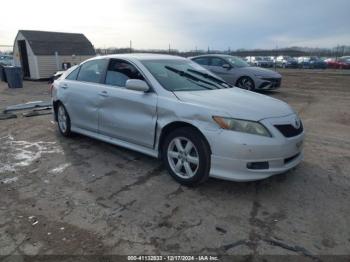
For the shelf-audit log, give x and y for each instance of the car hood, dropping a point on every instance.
(261, 71)
(237, 103)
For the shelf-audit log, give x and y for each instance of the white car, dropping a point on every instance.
(260, 61)
(172, 108)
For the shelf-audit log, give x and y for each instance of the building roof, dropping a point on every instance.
(47, 43)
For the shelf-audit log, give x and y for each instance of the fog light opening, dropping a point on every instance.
(258, 165)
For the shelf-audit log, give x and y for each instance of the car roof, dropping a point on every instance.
(212, 55)
(140, 56)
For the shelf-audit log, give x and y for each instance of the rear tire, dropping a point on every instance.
(63, 121)
(186, 155)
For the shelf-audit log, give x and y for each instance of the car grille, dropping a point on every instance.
(274, 82)
(289, 130)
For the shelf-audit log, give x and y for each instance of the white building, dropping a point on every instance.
(40, 54)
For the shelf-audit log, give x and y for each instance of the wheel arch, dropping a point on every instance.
(170, 127)
(55, 107)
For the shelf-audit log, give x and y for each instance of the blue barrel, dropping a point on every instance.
(2, 73)
(14, 76)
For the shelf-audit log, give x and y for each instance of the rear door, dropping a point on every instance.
(80, 94)
(126, 114)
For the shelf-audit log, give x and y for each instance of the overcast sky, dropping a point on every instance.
(185, 24)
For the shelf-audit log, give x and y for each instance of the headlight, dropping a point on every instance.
(259, 76)
(244, 126)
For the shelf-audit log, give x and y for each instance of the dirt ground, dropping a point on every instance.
(82, 196)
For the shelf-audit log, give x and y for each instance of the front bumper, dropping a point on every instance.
(236, 169)
(232, 152)
(269, 83)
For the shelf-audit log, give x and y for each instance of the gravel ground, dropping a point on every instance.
(81, 196)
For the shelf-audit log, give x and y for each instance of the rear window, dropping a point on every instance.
(73, 75)
(202, 60)
(92, 71)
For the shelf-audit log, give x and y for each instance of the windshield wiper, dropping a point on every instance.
(191, 77)
(213, 78)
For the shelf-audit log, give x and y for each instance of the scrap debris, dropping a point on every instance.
(33, 220)
(37, 113)
(39, 108)
(29, 105)
(4, 116)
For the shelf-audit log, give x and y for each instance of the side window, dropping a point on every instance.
(120, 71)
(92, 71)
(73, 75)
(215, 61)
(202, 60)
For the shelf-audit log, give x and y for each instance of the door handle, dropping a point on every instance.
(64, 86)
(103, 94)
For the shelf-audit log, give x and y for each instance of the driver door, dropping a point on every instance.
(125, 114)
(216, 66)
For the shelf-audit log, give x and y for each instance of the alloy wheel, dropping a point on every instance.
(62, 119)
(183, 157)
(246, 83)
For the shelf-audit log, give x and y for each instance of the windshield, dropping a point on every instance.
(183, 75)
(236, 61)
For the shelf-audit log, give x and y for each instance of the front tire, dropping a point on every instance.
(186, 156)
(63, 121)
(246, 83)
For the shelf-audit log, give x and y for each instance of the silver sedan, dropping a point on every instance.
(239, 73)
(172, 108)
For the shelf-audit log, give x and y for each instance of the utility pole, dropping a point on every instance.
(276, 54)
(336, 53)
(130, 46)
(169, 49)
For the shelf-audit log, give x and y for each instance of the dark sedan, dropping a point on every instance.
(311, 63)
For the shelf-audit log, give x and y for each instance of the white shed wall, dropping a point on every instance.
(47, 64)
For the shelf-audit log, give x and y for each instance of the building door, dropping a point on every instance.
(24, 57)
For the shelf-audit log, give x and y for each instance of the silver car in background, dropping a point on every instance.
(238, 72)
(172, 108)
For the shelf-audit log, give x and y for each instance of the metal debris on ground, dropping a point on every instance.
(7, 116)
(29, 105)
(37, 113)
(39, 108)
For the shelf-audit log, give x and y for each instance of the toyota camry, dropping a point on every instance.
(172, 108)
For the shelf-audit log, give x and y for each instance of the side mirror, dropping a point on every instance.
(137, 85)
(226, 66)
